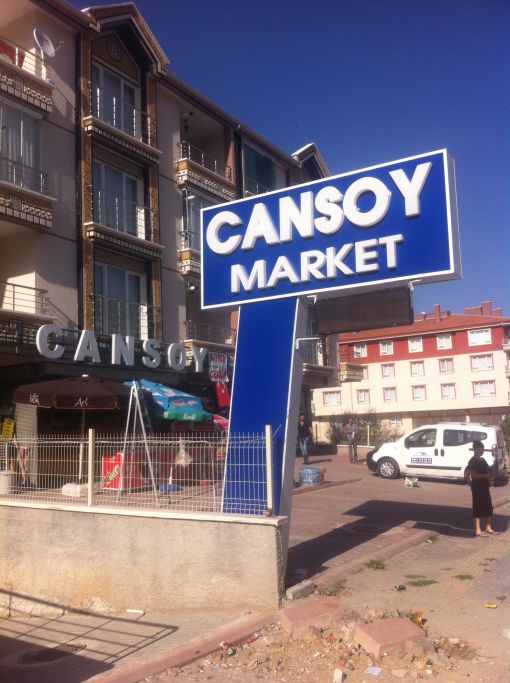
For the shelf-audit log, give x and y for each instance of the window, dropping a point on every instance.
(482, 389)
(445, 366)
(479, 337)
(360, 350)
(458, 437)
(365, 373)
(395, 422)
(444, 341)
(417, 368)
(118, 301)
(259, 172)
(388, 370)
(421, 439)
(389, 394)
(386, 348)
(115, 101)
(20, 148)
(332, 398)
(194, 203)
(485, 362)
(415, 345)
(447, 391)
(117, 200)
(419, 393)
(363, 396)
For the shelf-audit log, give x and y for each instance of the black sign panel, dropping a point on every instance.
(366, 311)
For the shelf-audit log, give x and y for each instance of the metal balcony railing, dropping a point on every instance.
(119, 316)
(252, 186)
(188, 151)
(190, 240)
(210, 333)
(122, 214)
(23, 299)
(18, 56)
(122, 115)
(23, 176)
(312, 352)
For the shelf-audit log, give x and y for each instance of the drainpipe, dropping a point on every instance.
(79, 179)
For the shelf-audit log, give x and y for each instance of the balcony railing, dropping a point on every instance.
(312, 352)
(252, 186)
(203, 159)
(16, 55)
(122, 214)
(210, 333)
(122, 115)
(23, 299)
(23, 176)
(113, 316)
(190, 240)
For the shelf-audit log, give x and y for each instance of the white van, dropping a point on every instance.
(440, 451)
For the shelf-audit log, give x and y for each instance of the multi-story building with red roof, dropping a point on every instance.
(444, 367)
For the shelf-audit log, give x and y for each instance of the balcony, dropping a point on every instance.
(212, 337)
(189, 253)
(120, 221)
(112, 316)
(24, 195)
(23, 76)
(506, 345)
(24, 177)
(120, 123)
(196, 167)
(316, 371)
(350, 367)
(252, 187)
(22, 300)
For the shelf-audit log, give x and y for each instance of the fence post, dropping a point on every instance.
(90, 467)
(269, 469)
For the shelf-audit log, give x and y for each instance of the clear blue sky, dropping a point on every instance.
(368, 81)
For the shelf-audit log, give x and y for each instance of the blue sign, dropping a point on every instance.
(390, 223)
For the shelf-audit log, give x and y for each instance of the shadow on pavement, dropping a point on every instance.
(374, 518)
(73, 646)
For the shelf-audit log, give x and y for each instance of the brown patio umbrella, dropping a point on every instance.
(74, 393)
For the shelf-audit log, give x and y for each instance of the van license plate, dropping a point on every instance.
(421, 461)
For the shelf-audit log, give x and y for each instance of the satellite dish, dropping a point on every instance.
(44, 43)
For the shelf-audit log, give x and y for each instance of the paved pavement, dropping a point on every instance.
(336, 529)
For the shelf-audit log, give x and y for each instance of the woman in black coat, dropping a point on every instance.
(481, 481)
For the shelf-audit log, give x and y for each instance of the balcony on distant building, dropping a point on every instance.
(119, 316)
(24, 195)
(27, 301)
(23, 76)
(119, 123)
(196, 167)
(123, 222)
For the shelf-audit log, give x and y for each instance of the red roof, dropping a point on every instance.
(431, 323)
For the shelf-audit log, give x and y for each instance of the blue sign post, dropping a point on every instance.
(357, 231)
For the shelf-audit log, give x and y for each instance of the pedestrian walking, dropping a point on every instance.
(304, 437)
(350, 430)
(481, 481)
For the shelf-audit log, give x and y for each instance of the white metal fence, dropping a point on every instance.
(160, 472)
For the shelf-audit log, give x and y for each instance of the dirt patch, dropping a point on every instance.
(315, 656)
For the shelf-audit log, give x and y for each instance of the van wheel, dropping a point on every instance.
(388, 468)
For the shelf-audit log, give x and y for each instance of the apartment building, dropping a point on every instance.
(106, 159)
(444, 367)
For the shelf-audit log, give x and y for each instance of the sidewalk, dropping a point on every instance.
(335, 530)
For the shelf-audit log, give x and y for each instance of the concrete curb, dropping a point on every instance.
(233, 632)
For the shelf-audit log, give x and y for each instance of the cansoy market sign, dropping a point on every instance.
(364, 230)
